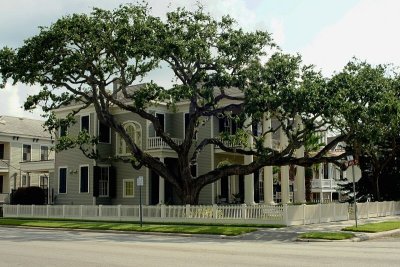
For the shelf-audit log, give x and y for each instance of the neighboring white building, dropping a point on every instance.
(26, 154)
(327, 177)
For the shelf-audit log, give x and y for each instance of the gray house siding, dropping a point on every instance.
(204, 163)
(72, 159)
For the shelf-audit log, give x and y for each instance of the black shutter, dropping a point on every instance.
(96, 177)
(112, 182)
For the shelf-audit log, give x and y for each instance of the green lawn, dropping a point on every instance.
(374, 227)
(170, 228)
(327, 235)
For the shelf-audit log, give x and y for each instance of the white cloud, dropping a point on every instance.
(368, 31)
(13, 98)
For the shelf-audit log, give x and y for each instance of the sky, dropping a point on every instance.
(326, 33)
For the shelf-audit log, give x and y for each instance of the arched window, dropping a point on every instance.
(134, 130)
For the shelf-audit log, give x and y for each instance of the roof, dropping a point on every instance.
(23, 126)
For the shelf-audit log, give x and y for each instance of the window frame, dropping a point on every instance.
(108, 179)
(30, 152)
(2, 151)
(80, 179)
(41, 181)
(41, 150)
(164, 122)
(25, 175)
(66, 179)
(124, 181)
(62, 131)
(81, 124)
(121, 142)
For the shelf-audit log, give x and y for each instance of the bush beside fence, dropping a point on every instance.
(255, 214)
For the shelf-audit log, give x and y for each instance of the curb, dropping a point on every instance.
(370, 236)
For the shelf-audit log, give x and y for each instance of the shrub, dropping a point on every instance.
(28, 196)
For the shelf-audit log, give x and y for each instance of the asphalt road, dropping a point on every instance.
(34, 247)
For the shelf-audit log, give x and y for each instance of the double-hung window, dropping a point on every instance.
(44, 153)
(128, 188)
(26, 152)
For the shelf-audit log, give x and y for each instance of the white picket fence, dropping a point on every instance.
(255, 214)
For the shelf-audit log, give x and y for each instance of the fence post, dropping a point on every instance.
(119, 211)
(81, 211)
(367, 209)
(285, 215)
(214, 211)
(63, 208)
(304, 214)
(100, 211)
(163, 211)
(33, 211)
(187, 211)
(47, 211)
(320, 212)
(244, 211)
(18, 210)
(334, 211)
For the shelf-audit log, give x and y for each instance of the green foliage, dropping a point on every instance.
(135, 227)
(374, 227)
(326, 235)
(28, 196)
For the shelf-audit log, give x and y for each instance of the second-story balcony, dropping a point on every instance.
(156, 143)
(235, 144)
(4, 165)
(324, 183)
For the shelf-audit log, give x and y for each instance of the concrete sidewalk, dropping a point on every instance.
(290, 233)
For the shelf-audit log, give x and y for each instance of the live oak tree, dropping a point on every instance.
(370, 98)
(219, 69)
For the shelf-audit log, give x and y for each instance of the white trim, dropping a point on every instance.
(123, 188)
(88, 179)
(66, 179)
(85, 115)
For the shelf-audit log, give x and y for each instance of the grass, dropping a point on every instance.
(374, 227)
(327, 235)
(135, 227)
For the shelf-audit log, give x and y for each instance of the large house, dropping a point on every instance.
(84, 181)
(26, 155)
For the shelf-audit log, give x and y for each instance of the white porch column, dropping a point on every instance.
(284, 171)
(268, 172)
(161, 188)
(249, 179)
(300, 193)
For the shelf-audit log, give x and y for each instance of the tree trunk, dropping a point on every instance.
(190, 194)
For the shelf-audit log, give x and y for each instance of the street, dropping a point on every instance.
(34, 247)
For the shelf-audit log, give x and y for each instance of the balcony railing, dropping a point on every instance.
(158, 143)
(4, 164)
(232, 144)
(324, 183)
(3, 197)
